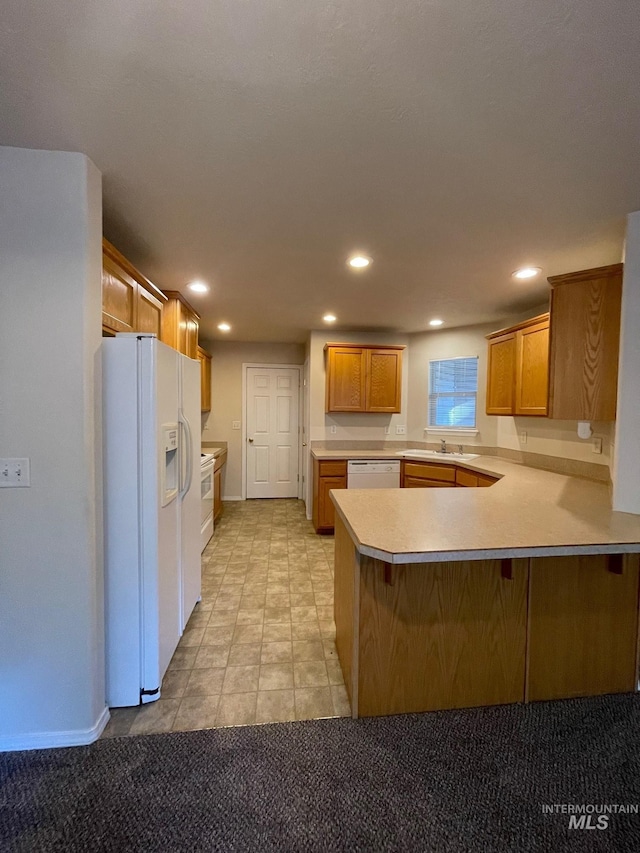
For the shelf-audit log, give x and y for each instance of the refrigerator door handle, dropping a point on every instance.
(189, 474)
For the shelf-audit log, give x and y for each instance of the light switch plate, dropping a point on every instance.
(235, 424)
(14, 473)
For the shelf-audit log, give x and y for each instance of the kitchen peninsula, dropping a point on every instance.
(448, 598)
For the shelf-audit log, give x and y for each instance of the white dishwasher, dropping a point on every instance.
(374, 474)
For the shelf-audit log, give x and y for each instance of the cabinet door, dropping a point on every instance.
(466, 478)
(191, 337)
(585, 339)
(217, 494)
(326, 510)
(149, 310)
(532, 376)
(501, 374)
(583, 625)
(428, 471)
(384, 380)
(484, 481)
(119, 298)
(346, 378)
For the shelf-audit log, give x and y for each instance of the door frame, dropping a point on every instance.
(263, 366)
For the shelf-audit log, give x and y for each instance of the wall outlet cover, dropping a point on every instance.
(333, 429)
(235, 424)
(596, 447)
(401, 430)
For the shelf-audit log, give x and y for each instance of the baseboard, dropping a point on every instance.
(232, 498)
(48, 740)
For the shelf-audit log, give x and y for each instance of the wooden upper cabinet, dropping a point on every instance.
(585, 339)
(363, 378)
(532, 369)
(205, 379)
(346, 378)
(130, 302)
(501, 374)
(180, 324)
(518, 368)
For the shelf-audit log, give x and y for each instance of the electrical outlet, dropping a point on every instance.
(235, 424)
(401, 430)
(333, 430)
(14, 473)
(387, 430)
(523, 436)
(596, 445)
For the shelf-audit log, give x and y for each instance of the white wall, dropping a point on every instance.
(51, 584)
(626, 469)
(448, 343)
(543, 435)
(351, 427)
(227, 358)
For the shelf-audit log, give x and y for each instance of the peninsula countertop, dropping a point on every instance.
(528, 512)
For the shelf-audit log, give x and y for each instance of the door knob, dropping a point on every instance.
(250, 441)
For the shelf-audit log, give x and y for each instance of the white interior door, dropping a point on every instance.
(272, 408)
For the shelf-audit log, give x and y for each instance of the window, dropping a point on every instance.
(453, 391)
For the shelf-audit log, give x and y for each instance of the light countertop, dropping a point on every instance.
(527, 512)
(216, 451)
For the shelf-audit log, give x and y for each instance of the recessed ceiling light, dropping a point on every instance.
(198, 287)
(526, 272)
(329, 318)
(359, 262)
(436, 322)
(224, 327)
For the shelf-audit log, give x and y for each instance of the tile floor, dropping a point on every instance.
(259, 647)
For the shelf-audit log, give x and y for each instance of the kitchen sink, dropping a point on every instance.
(449, 456)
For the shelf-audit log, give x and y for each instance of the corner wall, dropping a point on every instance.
(626, 469)
(51, 584)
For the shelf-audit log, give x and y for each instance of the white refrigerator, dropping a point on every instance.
(151, 440)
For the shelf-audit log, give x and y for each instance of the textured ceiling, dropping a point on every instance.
(257, 143)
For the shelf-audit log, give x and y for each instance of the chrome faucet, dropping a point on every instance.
(443, 446)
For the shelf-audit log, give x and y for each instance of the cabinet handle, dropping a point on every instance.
(506, 569)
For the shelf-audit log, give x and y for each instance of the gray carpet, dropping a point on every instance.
(471, 780)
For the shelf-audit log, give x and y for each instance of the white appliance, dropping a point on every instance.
(151, 406)
(373, 474)
(207, 462)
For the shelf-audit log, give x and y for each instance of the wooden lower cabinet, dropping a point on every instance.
(425, 475)
(471, 479)
(217, 485)
(583, 625)
(327, 474)
(428, 636)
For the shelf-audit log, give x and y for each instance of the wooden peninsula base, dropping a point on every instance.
(434, 635)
